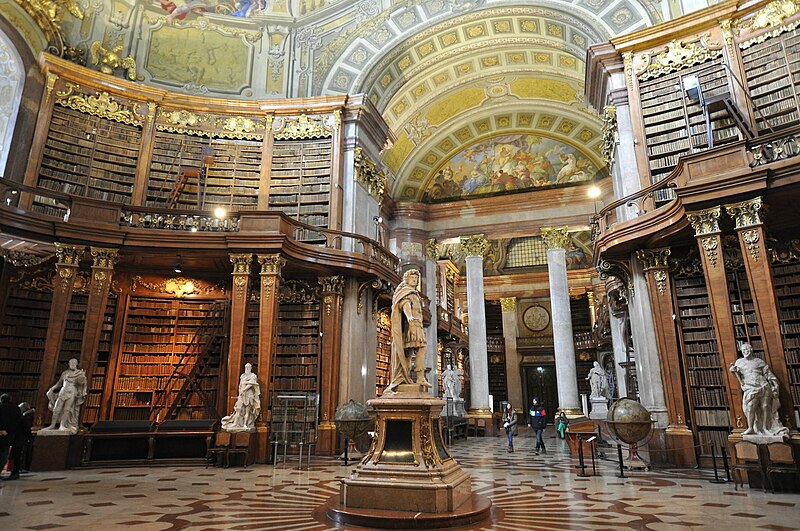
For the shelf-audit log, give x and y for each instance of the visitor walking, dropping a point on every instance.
(510, 425)
(537, 420)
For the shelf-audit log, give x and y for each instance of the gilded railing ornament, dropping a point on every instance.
(101, 104)
(301, 127)
(610, 134)
(677, 56)
(369, 175)
(508, 304)
(109, 60)
(475, 245)
(555, 237)
(656, 262)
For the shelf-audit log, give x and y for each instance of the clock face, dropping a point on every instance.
(536, 318)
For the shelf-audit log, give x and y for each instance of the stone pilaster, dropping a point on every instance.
(556, 240)
(510, 332)
(473, 248)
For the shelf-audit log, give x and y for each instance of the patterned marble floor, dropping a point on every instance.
(529, 492)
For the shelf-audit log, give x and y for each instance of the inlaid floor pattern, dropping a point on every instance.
(529, 492)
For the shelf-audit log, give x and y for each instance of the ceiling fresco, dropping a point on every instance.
(445, 74)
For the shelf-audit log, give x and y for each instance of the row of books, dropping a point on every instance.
(709, 347)
(711, 377)
(703, 361)
(708, 397)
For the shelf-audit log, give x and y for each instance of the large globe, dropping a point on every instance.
(629, 420)
(352, 419)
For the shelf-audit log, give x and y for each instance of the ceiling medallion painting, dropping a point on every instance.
(509, 163)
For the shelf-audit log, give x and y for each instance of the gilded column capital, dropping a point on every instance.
(508, 304)
(104, 258)
(705, 222)
(654, 258)
(241, 263)
(555, 237)
(432, 249)
(69, 254)
(271, 264)
(475, 245)
(747, 213)
(333, 284)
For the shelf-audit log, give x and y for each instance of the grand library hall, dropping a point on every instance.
(399, 264)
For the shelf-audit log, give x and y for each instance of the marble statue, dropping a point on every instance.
(408, 334)
(248, 404)
(65, 400)
(598, 381)
(451, 382)
(760, 396)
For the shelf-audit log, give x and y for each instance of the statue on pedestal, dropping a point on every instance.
(451, 383)
(598, 381)
(408, 334)
(760, 396)
(65, 400)
(248, 404)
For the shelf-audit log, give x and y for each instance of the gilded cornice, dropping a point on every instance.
(101, 104)
(705, 221)
(368, 174)
(241, 263)
(508, 304)
(104, 258)
(475, 245)
(677, 56)
(299, 128)
(747, 213)
(555, 237)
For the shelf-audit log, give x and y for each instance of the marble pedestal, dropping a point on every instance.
(599, 408)
(408, 470)
(456, 409)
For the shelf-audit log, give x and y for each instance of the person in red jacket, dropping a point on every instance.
(537, 420)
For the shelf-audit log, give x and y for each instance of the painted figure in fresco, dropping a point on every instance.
(179, 9)
(408, 334)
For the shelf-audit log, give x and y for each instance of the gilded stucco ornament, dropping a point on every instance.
(610, 134)
(108, 60)
(432, 249)
(100, 104)
(751, 238)
(746, 213)
(297, 292)
(239, 127)
(475, 245)
(555, 237)
(677, 56)
(705, 221)
(773, 14)
(508, 304)
(369, 175)
(656, 262)
(241, 263)
(104, 258)
(23, 259)
(271, 264)
(301, 127)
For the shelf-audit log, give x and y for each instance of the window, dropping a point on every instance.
(11, 81)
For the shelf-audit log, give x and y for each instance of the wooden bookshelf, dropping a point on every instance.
(787, 290)
(88, 156)
(705, 381)
(300, 182)
(383, 355)
(250, 352)
(743, 311)
(296, 361)
(158, 333)
(772, 72)
(674, 125)
(91, 408)
(171, 152)
(24, 330)
(232, 180)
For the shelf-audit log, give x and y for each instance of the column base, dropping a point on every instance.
(326, 439)
(571, 412)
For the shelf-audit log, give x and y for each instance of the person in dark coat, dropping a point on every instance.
(26, 437)
(537, 420)
(10, 426)
(510, 425)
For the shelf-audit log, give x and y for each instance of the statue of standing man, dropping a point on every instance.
(759, 395)
(248, 403)
(65, 400)
(408, 334)
(598, 381)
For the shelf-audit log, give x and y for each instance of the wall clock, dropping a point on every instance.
(536, 318)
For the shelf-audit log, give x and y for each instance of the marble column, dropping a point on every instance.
(510, 332)
(68, 259)
(473, 248)
(556, 239)
(431, 333)
(618, 344)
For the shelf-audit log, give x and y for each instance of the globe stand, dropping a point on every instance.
(630, 422)
(350, 453)
(634, 461)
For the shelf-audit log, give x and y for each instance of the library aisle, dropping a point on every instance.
(528, 492)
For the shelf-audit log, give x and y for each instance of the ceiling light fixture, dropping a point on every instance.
(594, 192)
(178, 267)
